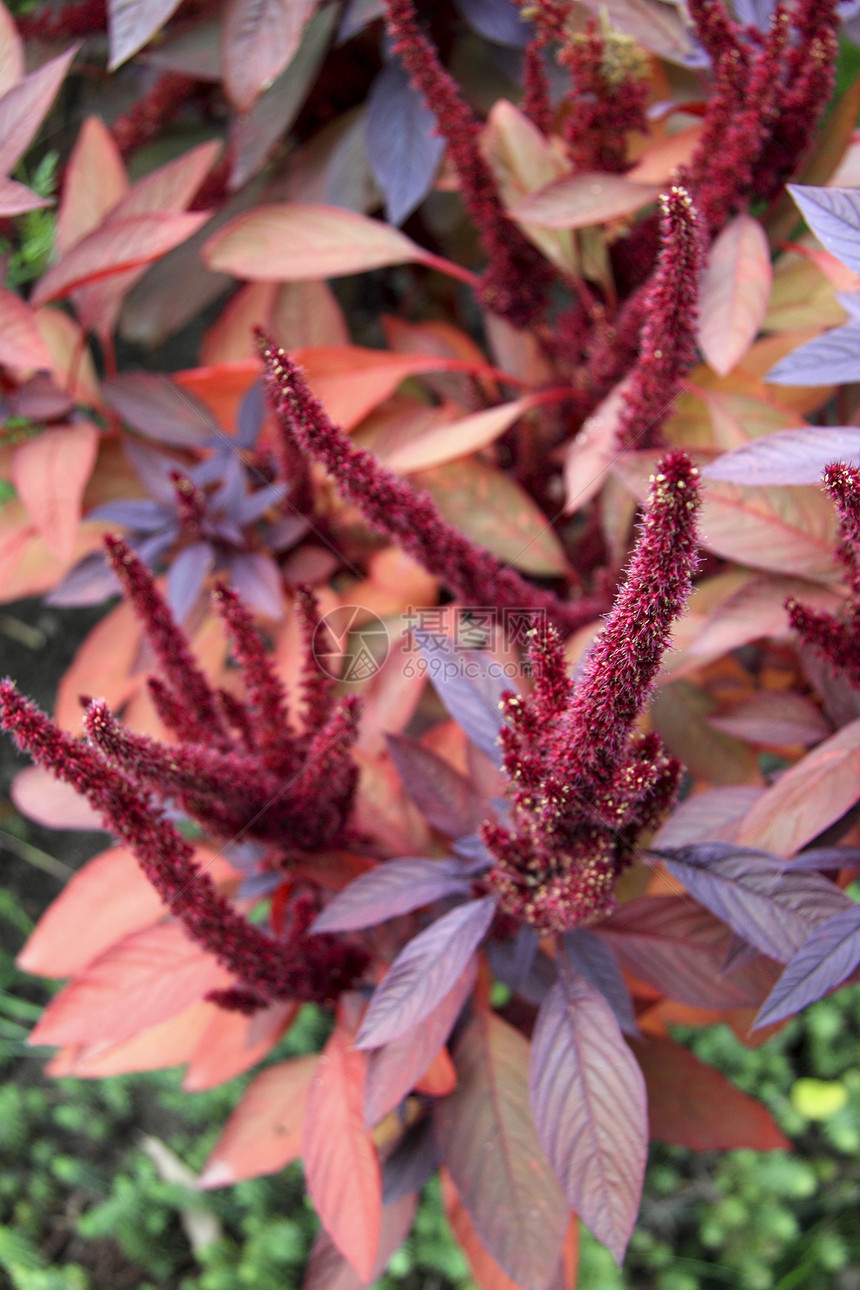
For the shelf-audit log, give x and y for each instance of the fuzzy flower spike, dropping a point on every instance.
(392, 507)
(837, 640)
(585, 783)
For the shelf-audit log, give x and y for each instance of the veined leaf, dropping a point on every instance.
(393, 887)
(583, 200)
(424, 971)
(488, 1141)
(788, 456)
(833, 214)
(342, 1170)
(590, 1108)
(734, 292)
(823, 962)
(259, 39)
(50, 473)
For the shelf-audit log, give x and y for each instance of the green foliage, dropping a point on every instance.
(27, 257)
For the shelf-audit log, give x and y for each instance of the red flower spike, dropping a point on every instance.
(584, 783)
(517, 278)
(667, 348)
(314, 971)
(838, 640)
(606, 100)
(394, 508)
(269, 719)
(145, 119)
(192, 695)
(317, 687)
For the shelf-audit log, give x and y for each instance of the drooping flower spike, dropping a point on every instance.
(584, 783)
(393, 507)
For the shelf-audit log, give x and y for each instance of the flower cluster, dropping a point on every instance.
(584, 782)
(239, 769)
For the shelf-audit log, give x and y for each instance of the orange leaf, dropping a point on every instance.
(233, 1043)
(142, 980)
(458, 438)
(341, 1164)
(170, 1043)
(103, 667)
(440, 1077)
(109, 896)
(21, 343)
(264, 1132)
(50, 474)
(692, 1105)
(93, 183)
(303, 240)
(734, 293)
(585, 199)
(590, 454)
(115, 247)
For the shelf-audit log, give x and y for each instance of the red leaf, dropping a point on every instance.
(104, 665)
(298, 240)
(807, 797)
(233, 1043)
(692, 1105)
(23, 108)
(484, 1267)
(145, 978)
(16, 198)
(93, 183)
(260, 37)
(44, 799)
(50, 473)
(590, 1108)
(21, 343)
(341, 1164)
(131, 23)
(11, 52)
(264, 1132)
(734, 293)
(328, 1270)
(582, 200)
(109, 896)
(424, 971)
(394, 1070)
(681, 950)
(170, 188)
(488, 1141)
(115, 247)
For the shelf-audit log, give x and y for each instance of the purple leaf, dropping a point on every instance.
(445, 797)
(831, 359)
(252, 411)
(754, 13)
(403, 147)
(682, 950)
(498, 20)
(829, 956)
(594, 960)
(425, 970)
(833, 214)
(487, 1140)
(257, 579)
(393, 1071)
(773, 909)
(392, 888)
(186, 576)
(826, 858)
(473, 850)
(412, 1163)
(89, 583)
(590, 1108)
(153, 470)
(532, 977)
(157, 408)
(253, 505)
(134, 513)
(472, 699)
(788, 456)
